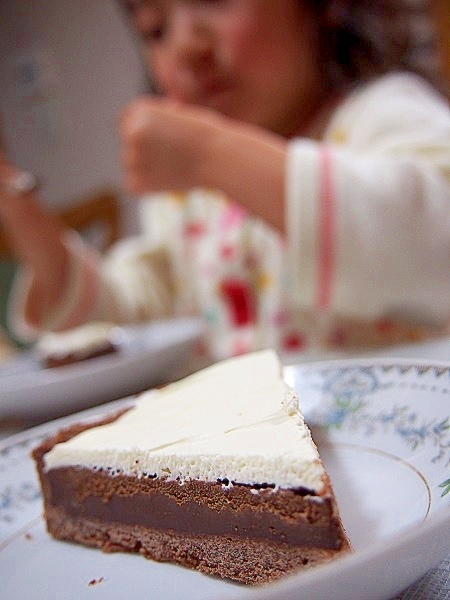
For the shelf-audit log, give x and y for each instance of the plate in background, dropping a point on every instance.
(147, 354)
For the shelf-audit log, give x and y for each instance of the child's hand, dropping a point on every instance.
(164, 144)
(168, 146)
(14, 182)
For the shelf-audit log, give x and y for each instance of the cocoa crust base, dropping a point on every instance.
(244, 561)
(294, 519)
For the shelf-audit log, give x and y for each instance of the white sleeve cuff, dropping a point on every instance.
(78, 299)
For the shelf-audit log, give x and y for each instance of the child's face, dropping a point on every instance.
(254, 60)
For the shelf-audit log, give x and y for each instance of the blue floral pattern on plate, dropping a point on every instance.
(383, 404)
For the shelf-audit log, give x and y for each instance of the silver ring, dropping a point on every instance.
(21, 183)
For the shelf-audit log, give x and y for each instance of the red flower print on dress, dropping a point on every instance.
(227, 252)
(294, 340)
(240, 300)
(194, 229)
(232, 217)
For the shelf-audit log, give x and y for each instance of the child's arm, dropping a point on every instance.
(366, 222)
(169, 146)
(63, 282)
(131, 283)
(36, 239)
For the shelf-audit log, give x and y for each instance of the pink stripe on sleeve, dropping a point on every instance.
(326, 232)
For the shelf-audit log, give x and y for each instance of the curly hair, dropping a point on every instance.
(360, 39)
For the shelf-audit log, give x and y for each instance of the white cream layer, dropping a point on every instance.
(82, 340)
(235, 420)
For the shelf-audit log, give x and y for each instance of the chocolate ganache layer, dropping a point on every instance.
(195, 507)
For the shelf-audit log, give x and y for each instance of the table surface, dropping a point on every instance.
(436, 583)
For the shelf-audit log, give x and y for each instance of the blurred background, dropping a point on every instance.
(67, 68)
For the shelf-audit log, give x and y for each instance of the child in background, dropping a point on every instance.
(308, 170)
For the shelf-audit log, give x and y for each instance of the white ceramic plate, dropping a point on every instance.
(383, 429)
(147, 354)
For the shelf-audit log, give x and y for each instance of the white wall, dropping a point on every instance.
(67, 68)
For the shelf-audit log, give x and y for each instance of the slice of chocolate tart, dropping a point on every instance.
(217, 472)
